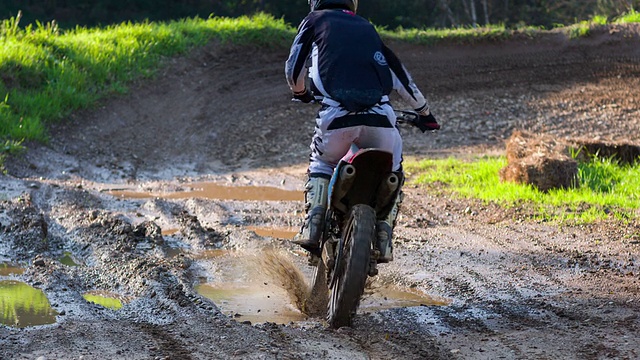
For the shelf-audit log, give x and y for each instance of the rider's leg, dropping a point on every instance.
(327, 147)
(384, 227)
(315, 206)
(384, 230)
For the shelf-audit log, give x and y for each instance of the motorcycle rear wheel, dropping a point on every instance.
(352, 269)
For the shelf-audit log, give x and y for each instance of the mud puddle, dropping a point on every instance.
(69, 260)
(276, 233)
(270, 287)
(22, 305)
(209, 190)
(7, 269)
(105, 299)
(390, 296)
(253, 302)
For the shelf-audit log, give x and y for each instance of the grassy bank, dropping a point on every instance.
(604, 188)
(46, 73)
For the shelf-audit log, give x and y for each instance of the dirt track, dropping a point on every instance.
(514, 288)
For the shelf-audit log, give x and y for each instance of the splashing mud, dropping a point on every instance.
(282, 270)
(262, 287)
(268, 286)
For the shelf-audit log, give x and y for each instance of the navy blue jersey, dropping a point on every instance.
(349, 63)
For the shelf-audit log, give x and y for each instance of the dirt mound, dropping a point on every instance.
(623, 152)
(540, 161)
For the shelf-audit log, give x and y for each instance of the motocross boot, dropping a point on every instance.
(315, 198)
(384, 231)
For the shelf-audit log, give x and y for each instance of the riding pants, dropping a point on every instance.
(336, 129)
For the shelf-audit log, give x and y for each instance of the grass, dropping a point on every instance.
(605, 188)
(630, 17)
(461, 35)
(47, 73)
(584, 28)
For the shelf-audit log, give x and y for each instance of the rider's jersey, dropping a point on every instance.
(347, 61)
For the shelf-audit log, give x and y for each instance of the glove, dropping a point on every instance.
(305, 96)
(426, 121)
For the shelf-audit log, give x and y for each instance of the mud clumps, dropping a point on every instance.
(177, 294)
(282, 270)
(28, 232)
(150, 231)
(198, 235)
(540, 161)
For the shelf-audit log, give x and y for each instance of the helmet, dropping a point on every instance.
(331, 4)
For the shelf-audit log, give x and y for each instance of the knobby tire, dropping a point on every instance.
(349, 286)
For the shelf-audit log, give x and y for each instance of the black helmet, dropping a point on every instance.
(332, 4)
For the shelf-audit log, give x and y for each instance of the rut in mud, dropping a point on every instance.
(139, 202)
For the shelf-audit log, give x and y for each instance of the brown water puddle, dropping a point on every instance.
(267, 286)
(255, 285)
(169, 232)
(392, 296)
(276, 233)
(209, 190)
(257, 303)
(7, 269)
(23, 305)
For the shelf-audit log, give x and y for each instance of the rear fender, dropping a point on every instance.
(370, 167)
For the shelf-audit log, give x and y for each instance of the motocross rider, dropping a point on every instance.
(352, 74)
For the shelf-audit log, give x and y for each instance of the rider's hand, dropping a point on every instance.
(305, 96)
(426, 121)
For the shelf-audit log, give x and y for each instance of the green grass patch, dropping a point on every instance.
(461, 35)
(584, 28)
(630, 17)
(605, 189)
(46, 73)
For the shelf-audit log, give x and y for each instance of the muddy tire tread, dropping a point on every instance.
(346, 293)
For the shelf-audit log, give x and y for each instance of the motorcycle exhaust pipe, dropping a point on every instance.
(347, 172)
(347, 176)
(387, 190)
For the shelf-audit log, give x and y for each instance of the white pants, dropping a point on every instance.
(330, 145)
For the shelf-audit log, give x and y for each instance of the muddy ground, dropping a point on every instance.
(502, 285)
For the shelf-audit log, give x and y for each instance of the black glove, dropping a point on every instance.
(427, 123)
(305, 96)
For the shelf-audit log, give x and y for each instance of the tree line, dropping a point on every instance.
(391, 14)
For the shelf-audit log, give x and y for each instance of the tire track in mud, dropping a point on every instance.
(165, 345)
(522, 293)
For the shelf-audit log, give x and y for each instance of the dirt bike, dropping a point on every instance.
(362, 190)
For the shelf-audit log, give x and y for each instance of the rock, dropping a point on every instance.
(39, 262)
